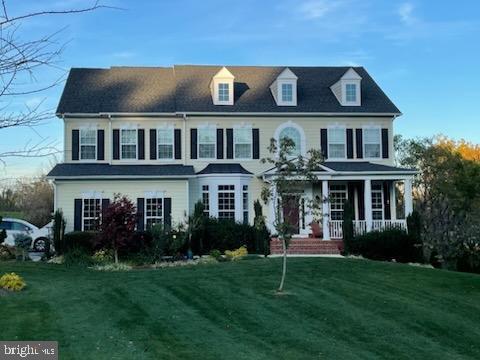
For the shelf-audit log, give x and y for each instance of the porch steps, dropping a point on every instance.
(307, 246)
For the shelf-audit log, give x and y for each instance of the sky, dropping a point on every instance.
(423, 53)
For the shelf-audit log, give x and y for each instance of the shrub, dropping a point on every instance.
(102, 256)
(348, 217)
(12, 282)
(386, 245)
(237, 254)
(77, 256)
(80, 239)
(262, 235)
(23, 243)
(216, 254)
(3, 233)
(6, 253)
(58, 230)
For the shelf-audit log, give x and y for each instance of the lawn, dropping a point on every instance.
(335, 309)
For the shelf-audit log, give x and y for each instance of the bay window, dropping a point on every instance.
(226, 202)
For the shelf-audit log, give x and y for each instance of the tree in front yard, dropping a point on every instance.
(291, 173)
(118, 224)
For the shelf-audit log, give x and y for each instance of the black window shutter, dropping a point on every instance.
(116, 144)
(100, 144)
(359, 140)
(361, 200)
(153, 144)
(386, 200)
(177, 143)
(385, 143)
(167, 208)
(256, 143)
(324, 142)
(105, 203)
(77, 215)
(193, 143)
(229, 143)
(219, 143)
(140, 214)
(75, 144)
(350, 143)
(141, 144)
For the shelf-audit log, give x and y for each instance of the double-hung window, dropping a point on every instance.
(88, 144)
(91, 214)
(351, 93)
(226, 202)
(242, 139)
(153, 212)
(206, 200)
(338, 196)
(128, 141)
(224, 92)
(287, 93)
(372, 142)
(207, 142)
(377, 202)
(336, 143)
(165, 143)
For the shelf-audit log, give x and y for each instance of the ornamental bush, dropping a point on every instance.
(22, 243)
(386, 245)
(80, 239)
(237, 254)
(12, 282)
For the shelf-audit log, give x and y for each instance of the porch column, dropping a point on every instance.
(326, 210)
(367, 199)
(393, 201)
(408, 197)
(308, 215)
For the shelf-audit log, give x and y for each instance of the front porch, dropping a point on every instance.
(381, 199)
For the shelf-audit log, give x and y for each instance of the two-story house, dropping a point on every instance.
(169, 137)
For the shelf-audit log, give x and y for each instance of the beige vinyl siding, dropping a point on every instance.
(67, 191)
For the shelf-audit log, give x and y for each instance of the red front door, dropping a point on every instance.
(291, 212)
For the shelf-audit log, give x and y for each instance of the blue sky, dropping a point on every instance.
(424, 54)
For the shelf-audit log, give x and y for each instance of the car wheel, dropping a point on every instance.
(40, 244)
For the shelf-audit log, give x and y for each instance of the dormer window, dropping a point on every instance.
(351, 93)
(347, 89)
(222, 87)
(284, 88)
(287, 93)
(223, 92)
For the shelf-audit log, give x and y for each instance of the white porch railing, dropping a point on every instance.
(360, 226)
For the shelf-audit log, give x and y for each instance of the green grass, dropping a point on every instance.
(336, 309)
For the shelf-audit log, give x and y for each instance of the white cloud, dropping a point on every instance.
(405, 11)
(315, 9)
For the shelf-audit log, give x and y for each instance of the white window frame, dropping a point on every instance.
(341, 191)
(171, 129)
(297, 127)
(209, 128)
(280, 100)
(94, 218)
(329, 141)
(121, 144)
(285, 86)
(356, 83)
(377, 128)
(378, 191)
(245, 204)
(220, 92)
(80, 143)
(146, 217)
(206, 196)
(228, 191)
(243, 128)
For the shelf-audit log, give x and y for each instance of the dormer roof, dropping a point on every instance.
(287, 74)
(185, 88)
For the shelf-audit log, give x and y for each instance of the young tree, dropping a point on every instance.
(291, 173)
(118, 224)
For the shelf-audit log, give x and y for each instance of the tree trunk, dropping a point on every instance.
(284, 270)
(116, 256)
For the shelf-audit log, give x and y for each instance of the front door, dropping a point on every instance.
(291, 212)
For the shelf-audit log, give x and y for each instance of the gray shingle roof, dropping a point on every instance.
(224, 169)
(186, 88)
(363, 166)
(99, 170)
